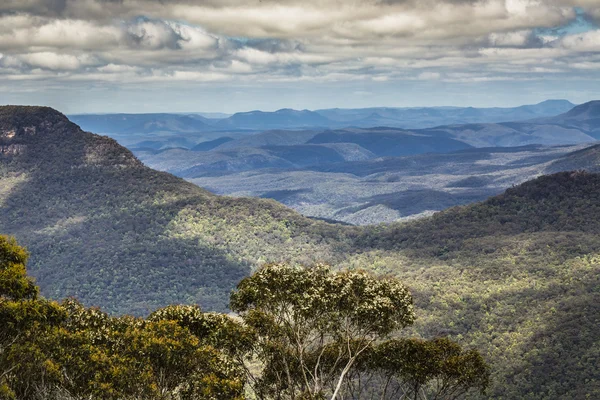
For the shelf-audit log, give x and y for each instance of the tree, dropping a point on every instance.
(14, 282)
(25, 319)
(302, 333)
(312, 325)
(410, 368)
(108, 357)
(220, 331)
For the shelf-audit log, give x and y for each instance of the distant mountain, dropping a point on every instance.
(587, 111)
(271, 138)
(211, 144)
(383, 174)
(280, 119)
(214, 115)
(407, 118)
(579, 125)
(187, 163)
(192, 164)
(292, 150)
(141, 123)
(585, 117)
(548, 107)
(390, 142)
(510, 134)
(379, 141)
(426, 117)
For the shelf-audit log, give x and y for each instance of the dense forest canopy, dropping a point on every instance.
(285, 345)
(515, 277)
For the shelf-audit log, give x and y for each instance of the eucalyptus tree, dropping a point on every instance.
(23, 319)
(411, 368)
(312, 325)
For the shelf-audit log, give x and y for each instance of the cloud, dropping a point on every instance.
(249, 42)
(54, 61)
(429, 76)
(584, 42)
(515, 39)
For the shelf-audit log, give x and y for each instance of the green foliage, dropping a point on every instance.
(103, 228)
(217, 330)
(320, 299)
(437, 368)
(92, 355)
(14, 282)
(303, 334)
(69, 351)
(25, 319)
(318, 331)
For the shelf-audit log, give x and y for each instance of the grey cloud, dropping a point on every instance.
(593, 16)
(146, 41)
(36, 7)
(517, 39)
(273, 45)
(153, 34)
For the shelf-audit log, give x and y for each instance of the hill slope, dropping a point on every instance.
(585, 117)
(587, 159)
(112, 232)
(518, 275)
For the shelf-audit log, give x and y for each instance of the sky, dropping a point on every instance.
(101, 56)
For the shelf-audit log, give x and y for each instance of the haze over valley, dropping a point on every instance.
(325, 169)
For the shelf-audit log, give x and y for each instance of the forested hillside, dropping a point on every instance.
(106, 229)
(65, 351)
(516, 276)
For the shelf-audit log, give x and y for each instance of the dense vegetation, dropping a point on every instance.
(304, 333)
(113, 233)
(516, 277)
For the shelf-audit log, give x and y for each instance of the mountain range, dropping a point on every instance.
(371, 175)
(407, 118)
(515, 276)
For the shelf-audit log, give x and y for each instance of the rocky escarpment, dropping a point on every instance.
(35, 134)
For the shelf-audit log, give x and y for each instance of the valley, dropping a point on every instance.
(514, 276)
(364, 175)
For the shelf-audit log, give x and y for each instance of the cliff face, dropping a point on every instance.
(20, 124)
(40, 135)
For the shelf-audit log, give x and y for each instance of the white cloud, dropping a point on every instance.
(429, 76)
(583, 42)
(132, 41)
(510, 39)
(54, 61)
